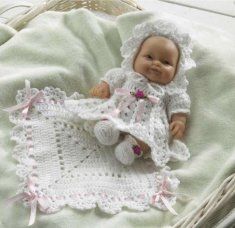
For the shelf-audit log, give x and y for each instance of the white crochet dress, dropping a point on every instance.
(139, 115)
(152, 126)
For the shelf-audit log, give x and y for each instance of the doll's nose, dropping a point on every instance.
(156, 63)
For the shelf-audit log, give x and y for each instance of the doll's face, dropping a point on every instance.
(157, 59)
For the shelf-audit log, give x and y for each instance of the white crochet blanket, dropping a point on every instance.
(62, 165)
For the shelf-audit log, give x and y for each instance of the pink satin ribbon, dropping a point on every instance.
(129, 99)
(162, 195)
(30, 100)
(33, 198)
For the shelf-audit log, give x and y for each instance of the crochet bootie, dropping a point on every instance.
(106, 133)
(128, 150)
(89, 127)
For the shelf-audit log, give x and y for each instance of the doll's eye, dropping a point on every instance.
(166, 62)
(149, 57)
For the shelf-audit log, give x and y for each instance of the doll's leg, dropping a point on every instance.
(128, 150)
(106, 133)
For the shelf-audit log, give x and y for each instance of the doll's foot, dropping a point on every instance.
(106, 133)
(128, 150)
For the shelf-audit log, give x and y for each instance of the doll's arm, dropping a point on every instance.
(178, 108)
(113, 79)
(101, 90)
(178, 125)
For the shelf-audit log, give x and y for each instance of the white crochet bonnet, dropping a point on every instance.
(168, 29)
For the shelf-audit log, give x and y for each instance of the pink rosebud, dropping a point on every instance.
(136, 149)
(139, 94)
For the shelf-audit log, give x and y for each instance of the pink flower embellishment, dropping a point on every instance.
(137, 150)
(139, 94)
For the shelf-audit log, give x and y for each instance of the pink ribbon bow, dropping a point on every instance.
(33, 198)
(162, 195)
(30, 100)
(131, 97)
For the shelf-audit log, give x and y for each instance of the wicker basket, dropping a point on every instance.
(215, 201)
(217, 198)
(112, 7)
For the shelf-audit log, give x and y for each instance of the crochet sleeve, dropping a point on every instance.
(178, 102)
(115, 78)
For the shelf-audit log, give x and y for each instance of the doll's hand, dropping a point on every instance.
(101, 91)
(177, 129)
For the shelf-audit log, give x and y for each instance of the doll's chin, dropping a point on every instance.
(155, 75)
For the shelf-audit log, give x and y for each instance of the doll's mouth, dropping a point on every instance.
(155, 71)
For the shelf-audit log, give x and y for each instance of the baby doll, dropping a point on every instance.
(156, 60)
(141, 105)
